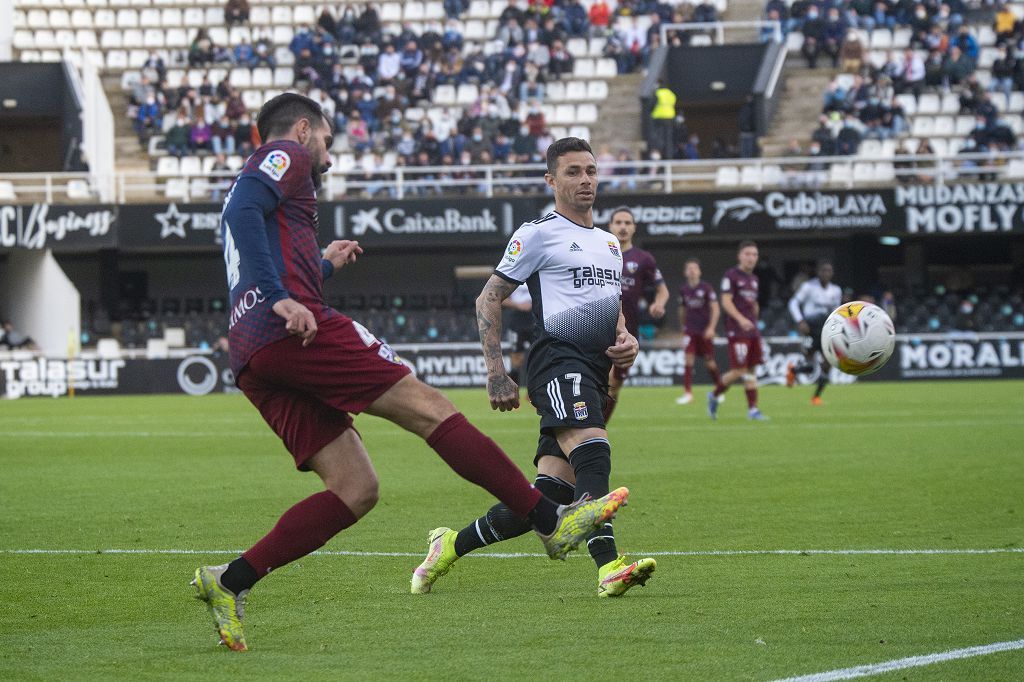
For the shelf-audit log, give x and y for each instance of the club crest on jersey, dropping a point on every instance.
(614, 248)
(632, 266)
(579, 410)
(276, 164)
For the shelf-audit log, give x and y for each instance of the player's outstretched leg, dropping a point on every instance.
(616, 577)
(445, 546)
(580, 519)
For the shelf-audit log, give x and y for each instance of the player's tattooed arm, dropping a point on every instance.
(501, 390)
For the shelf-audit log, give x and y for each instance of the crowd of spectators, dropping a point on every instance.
(942, 58)
(367, 76)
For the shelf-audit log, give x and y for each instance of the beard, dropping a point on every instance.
(318, 178)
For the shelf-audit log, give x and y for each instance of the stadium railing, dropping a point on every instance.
(738, 31)
(628, 177)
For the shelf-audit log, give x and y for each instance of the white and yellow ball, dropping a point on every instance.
(858, 338)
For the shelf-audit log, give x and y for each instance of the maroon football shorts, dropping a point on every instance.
(698, 346)
(745, 352)
(307, 395)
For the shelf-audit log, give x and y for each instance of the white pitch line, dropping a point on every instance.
(523, 555)
(910, 662)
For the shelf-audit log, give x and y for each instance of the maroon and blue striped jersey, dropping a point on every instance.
(269, 230)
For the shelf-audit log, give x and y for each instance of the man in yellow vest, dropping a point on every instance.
(662, 120)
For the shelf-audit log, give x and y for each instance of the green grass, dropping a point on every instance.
(880, 466)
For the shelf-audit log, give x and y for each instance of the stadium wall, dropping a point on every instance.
(40, 299)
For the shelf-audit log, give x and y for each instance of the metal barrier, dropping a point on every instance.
(401, 182)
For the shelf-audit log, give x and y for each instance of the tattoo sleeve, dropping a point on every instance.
(488, 321)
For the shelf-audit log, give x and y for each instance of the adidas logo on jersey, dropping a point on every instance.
(575, 247)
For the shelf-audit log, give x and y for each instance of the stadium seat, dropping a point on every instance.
(1014, 170)
(176, 188)
(262, 78)
(78, 190)
(391, 12)
(171, 17)
(194, 17)
(555, 91)
(281, 15)
(943, 126)
(863, 172)
(964, 125)
(478, 9)
(585, 113)
(881, 39)
(597, 90)
(901, 38)
(45, 39)
(104, 18)
(727, 176)
(701, 40)
(190, 165)
(928, 103)
(108, 349)
(37, 19)
(596, 47)
(884, 172)
(840, 174)
(923, 126)
(575, 90)
(240, 78)
(238, 34)
(750, 176)
(252, 99)
(444, 95)
(475, 31)
(950, 104)
(577, 47)
(127, 18)
(434, 11)
(130, 38)
(111, 39)
(176, 38)
(86, 39)
(150, 18)
(940, 146)
(583, 68)
(153, 38)
(1016, 102)
(467, 94)
(283, 77)
(167, 166)
(986, 35)
(986, 58)
(414, 11)
(23, 40)
(7, 192)
(259, 15)
(909, 104)
(117, 60)
(582, 132)
(59, 18)
(606, 68)
(214, 16)
(869, 149)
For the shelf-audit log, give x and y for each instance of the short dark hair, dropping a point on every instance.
(822, 262)
(621, 209)
(695, 261)
(561, 147)
(744, 244)
(278, 115)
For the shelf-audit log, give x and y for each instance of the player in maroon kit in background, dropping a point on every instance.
(739, 300)
(698, 313)
(307, 368)
(639, 273)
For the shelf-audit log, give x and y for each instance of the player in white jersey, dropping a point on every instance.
(810, 305)
(573, 270)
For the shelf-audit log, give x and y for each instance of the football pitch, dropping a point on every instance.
(886, 524)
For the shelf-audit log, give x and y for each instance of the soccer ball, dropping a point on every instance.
(858, 338)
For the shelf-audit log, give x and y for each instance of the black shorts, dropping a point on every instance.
(573, 399)
(548, 445)
(816, 324)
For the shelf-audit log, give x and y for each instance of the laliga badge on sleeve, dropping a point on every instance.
(276, 164)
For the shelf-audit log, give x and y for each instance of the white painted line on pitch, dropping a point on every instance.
(523, 555)
(910, 662)
(744, 426)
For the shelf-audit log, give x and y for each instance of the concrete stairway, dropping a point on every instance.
(131, 157)
(618, 125)
(799, 105)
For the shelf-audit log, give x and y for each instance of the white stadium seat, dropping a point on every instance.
(586, 113)
(167, 166)
(303, 14)
(153, 38)
(583, 68)
(190, 165)
(928, 103)
(281, 15)
(86, 38)
(38, 18)
(150, 18)
(59, 18)
(597, 90)
(127, 18)
(575, 90)
(555, 91)
(111, 39)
